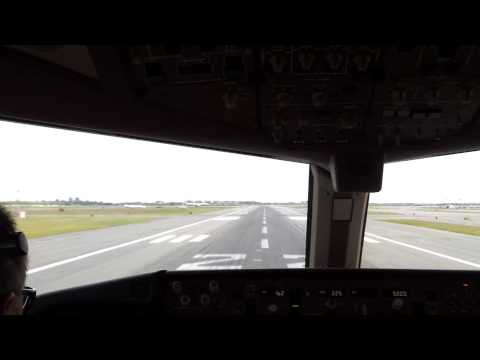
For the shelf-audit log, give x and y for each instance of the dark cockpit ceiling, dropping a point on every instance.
(300, 102)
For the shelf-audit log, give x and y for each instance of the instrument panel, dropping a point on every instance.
(305, 294)
(347, 294)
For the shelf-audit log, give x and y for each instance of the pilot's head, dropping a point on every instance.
(13, 265)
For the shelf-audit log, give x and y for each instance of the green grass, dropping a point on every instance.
(457, 228)
(51, 221)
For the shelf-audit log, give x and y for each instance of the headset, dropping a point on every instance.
(15, 244)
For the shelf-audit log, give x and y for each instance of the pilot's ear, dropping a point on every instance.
(12, 305)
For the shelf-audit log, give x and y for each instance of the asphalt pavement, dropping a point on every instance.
(253, 237)
(246, 238)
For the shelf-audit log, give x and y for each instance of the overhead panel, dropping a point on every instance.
(72, 57)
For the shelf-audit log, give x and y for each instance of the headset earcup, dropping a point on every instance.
(22, 243)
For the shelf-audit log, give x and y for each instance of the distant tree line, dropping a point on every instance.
(424, 204)
(78, 202)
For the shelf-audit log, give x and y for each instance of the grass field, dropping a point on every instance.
(52, 221)
(457, 228)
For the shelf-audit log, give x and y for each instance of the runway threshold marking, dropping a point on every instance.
(295, 265)
(181, 238)
(214, 259)
(297, 218)
(427, 251)
(199, 238)
(162, 239)
(111, 248)
(226, 218)
(293, 256)
(175, 239)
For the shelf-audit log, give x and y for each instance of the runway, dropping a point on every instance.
(256, 237)
(250, 237)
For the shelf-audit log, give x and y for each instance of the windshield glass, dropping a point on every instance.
(427, 215)
(97, 207)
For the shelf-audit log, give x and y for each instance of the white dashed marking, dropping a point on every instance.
(180, 238)
(111, 248)
(199, 238)
(368, 240)
(288, 256)
(264, 230)
(296, 265)
(299, 265)
(264, 243)
(226, 218)
(206, 264)
(162, 239)
(264, 222)
(298, 218)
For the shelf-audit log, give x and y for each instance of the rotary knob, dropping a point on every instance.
(272, 308)
(398, 304)
(331, 304)
(185, 300)
(213, 286)
(319, 99)
(177, 287)
(205, 300)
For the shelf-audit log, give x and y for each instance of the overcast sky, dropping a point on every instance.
(46, 164)
(41, 163)
(450, 178)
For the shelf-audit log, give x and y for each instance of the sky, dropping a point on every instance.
(46, 164)
(42, 163)
(441, 179)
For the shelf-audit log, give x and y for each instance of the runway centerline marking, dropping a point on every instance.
(264, 243)
(264, 230)
(461, 261)
(111, 248)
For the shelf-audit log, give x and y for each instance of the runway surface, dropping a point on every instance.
(240, 238)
